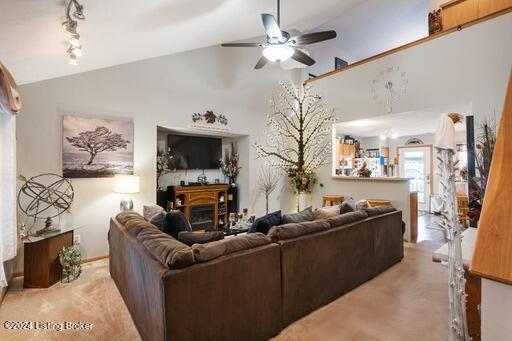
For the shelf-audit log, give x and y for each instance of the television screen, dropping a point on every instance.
(194, 152)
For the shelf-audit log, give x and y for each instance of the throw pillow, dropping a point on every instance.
(191, 238)
(149, 211)
(175, 222)
(326, 212)
(263, 224)
(158, 219)
(299, 217)
(348, 205)
(362, 204)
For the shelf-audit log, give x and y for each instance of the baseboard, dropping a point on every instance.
(87, 260)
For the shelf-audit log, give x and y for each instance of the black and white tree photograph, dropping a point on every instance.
(96, 148)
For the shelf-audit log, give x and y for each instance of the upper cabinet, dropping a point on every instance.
(459, 12)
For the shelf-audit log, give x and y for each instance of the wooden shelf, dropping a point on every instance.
(201, 195)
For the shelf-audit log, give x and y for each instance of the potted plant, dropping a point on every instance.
(302, 184)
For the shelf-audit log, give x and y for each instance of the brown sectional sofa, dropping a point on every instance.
(246, 287)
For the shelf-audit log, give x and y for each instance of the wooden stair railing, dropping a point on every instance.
(492, 258)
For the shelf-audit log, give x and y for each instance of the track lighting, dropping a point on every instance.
(74, 49)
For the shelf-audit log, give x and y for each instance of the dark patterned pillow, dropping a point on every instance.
(299, 217)
(263, 224)
(175, 222)
(348, 205)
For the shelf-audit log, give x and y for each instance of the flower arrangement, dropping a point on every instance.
(163, 158)
(302, 182)
(364, 171)
(485, 142)
(229, 165)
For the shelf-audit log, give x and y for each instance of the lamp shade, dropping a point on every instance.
(126, 184)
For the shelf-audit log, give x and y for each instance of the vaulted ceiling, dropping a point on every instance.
(33, 44)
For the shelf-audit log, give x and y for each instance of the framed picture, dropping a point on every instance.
(339, 63)
(95, 147)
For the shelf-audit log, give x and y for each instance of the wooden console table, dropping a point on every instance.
(41, 266)
(185, 198)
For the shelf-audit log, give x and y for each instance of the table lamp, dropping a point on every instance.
(126, 184)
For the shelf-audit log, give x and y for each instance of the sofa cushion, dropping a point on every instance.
(326, 212)
(169, 251)
(158, 219)
(348, 205)
(263, 224)
(374, 211)
(299, 217)
(135, 226)
(293, 230)
(149, 211)
(175, 222)
(362, 204)
(124, 216)
(209, 251)
(347, 218)
(191, 238)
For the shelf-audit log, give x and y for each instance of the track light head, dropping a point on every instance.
(70, 26)
(73, 41)
(79, 11)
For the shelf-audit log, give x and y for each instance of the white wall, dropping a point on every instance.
(470, 66)
(496, 310)
(371, 27)
(164, 91)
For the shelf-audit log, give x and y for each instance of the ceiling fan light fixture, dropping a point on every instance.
(278, 53)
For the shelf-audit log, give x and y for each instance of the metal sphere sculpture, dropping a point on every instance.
(46, 196)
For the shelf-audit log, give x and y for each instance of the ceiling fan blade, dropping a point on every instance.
(303, 58)
(271, 26)
(242, 45)
(261, 63)
(311, 38)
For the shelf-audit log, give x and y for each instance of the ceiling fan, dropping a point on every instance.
(280, 46)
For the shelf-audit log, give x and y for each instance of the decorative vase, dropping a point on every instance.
(232, 182)
(302, 201)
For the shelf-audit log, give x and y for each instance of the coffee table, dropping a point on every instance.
(239, 228)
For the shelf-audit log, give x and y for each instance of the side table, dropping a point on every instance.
(41, 266)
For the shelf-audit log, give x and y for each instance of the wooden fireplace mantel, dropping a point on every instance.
(184, 198)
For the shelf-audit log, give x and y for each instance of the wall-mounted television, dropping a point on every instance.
(194, 152)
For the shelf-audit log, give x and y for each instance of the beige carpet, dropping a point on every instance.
(407, 302)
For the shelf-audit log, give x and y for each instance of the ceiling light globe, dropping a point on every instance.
(278, 53)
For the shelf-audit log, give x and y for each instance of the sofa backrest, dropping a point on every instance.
(235, 296)
(319, 267)
(294, 230)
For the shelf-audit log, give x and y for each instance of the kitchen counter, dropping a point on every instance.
(357, 178)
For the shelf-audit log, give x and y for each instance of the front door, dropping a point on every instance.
(415, 163)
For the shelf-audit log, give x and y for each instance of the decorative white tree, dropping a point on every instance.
(450, 224)
(298, 134)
